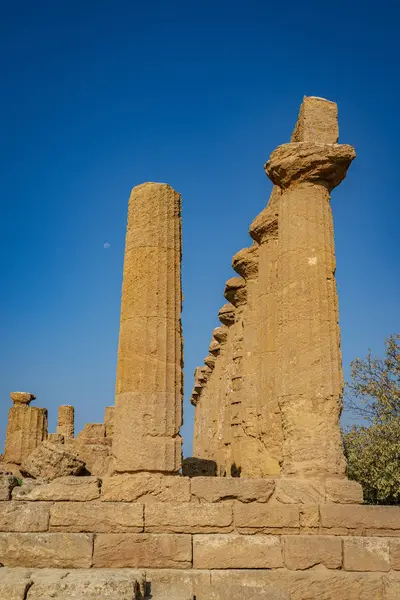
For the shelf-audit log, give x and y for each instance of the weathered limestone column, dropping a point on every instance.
(66, 421)
(148, 406)
(256, 458)
(264, 230)
(208, 399)
(309, 375)
(236, 293)
(26, 429)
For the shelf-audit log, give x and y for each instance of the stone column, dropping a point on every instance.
(26, 429)
(309, 374)
(236, 293)
(256, 458)
(207, 399)
(148, 406)
(66, 421)
(264, 230)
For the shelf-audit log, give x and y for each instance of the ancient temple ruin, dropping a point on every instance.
(264, 508)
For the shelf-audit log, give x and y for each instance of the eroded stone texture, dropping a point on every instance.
(83, 584)
(7, 484)
(146, 487)
(66, 421)
(264, 230)
(317, 121)
(232, 488)
(67, 489)
(109, 421)
(22, 398)
(46, 550)
(50, 461)
(26, 429)
(142, 550)
(209, 384)
(236, 552)
(107, 517)
(148, 406)
(309, 374)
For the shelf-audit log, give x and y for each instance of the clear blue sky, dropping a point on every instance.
(97, 97)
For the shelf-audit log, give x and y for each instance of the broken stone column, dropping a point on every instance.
(309, 378)
(148, 406)
(26, 429)
(264, 230)
(66, 421)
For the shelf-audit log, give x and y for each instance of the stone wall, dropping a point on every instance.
(294, 539)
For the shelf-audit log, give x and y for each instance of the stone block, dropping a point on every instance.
(51, 461)
(7, 484)
(360, 518)
(145, 487)
(232, 488)
(240, 591)
(14, 590)
(88, 584)
(317, 121)
(236, 552)
(251, 518)
(24, 516)
(343, 491)
(309, 516)
(305, 551)
(311, 584)
(46, 550)
(299, 491)
(188, 517)
(63, 489)
(142, 550)
(391, 587)
(113, 517)
(176, 584)
(366, 554)
(92, 433)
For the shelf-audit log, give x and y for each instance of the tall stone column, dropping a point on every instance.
(236, 293)
(264, 230)
(148, 405)
(26, 428)
(309, 375)
(66, 421)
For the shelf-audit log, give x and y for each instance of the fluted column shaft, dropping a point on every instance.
(309, 375)
(148, 406)
(264, 230)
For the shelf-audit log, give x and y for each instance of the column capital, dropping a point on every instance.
(22, 398)
(265, 225)
(220, 334)
(210, 361)
(235, 291)
(226, 314)
(245, 262)
(300, 162)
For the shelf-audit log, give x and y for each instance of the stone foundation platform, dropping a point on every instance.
(155, 536)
